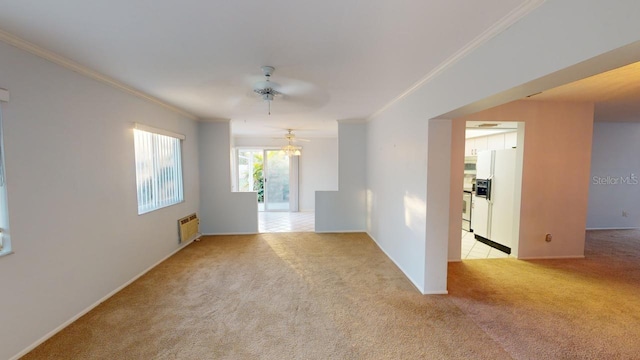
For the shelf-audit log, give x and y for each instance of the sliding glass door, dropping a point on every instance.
(276, 181)
(270, 173)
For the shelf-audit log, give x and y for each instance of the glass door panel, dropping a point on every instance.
(250, 173)
(276, 189)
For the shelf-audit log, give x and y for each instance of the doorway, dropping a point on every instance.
(491, 189)
(271, 174)
(274, 177)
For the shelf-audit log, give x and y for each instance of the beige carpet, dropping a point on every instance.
(336, 296)
(558, 309)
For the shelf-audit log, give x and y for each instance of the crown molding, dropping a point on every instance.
(83, 70)
(215, 120)
(352, 121)
(495, 29)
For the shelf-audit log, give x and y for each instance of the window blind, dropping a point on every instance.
(158, 170)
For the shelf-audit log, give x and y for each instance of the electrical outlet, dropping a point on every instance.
(625, 214)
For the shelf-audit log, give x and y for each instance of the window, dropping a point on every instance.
(5, 241)
(158, 168)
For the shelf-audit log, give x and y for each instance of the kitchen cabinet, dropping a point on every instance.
(469, 147)
(495, 142)
(473, 145)
(510, 140)
(492, 142)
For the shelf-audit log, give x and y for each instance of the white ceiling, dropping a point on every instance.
(347, 58)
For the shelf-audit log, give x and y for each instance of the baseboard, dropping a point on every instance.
(341, 231)
(231, 233)
(551, 257)
(418, 287)
(91, 307)
(613, 228)
(436, 293)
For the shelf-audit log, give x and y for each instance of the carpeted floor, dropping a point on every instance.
(558, 309)
(337, 296)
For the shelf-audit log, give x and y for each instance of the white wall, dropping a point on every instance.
(438, 188)
(397, 187)
(72, 195)
(318, 165)
(222, 211)
(345, 209)
(614, 156)
(515, 63)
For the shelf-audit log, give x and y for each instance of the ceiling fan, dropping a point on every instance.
(290, 149)
(297, 94)
(291, 137)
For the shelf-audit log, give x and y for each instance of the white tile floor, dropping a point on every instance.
(474, 249)
(269, 222)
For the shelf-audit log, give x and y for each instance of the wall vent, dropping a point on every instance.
(188, 227)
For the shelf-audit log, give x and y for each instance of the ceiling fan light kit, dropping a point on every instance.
(290, 149)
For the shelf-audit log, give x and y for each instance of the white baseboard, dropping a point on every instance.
(613, 228)
(418, 287)
(231, 233)
(552, 257)
(92, 306)
(436, 293)
(341, 231)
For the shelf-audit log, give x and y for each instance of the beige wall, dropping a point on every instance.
(555, 178)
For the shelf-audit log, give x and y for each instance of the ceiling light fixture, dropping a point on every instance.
(291, 150)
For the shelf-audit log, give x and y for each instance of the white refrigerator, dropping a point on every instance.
(494, 199)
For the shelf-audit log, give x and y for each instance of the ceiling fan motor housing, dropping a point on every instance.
(268, 70)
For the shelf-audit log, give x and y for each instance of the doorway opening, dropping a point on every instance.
(274, 177)
(267, 172)
(491, 189)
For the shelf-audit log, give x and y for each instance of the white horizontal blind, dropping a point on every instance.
(158, 170)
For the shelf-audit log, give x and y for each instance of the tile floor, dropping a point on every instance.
(474, 249)
(271, 222)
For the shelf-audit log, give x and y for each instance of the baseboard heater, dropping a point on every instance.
(189, 228)
(493, 244)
